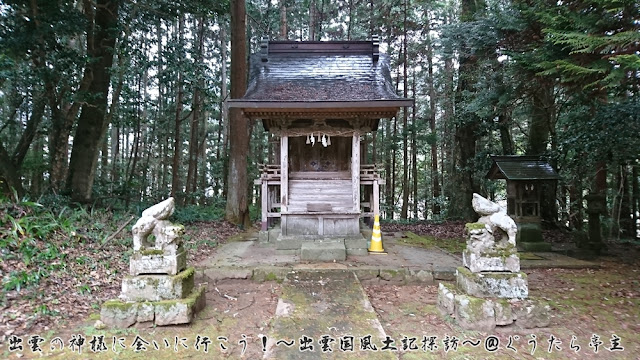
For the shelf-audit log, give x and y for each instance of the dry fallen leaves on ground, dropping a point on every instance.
(89, 274)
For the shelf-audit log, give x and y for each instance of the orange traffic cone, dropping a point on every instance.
(376, 238)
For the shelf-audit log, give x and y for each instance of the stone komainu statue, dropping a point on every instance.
(153, 222)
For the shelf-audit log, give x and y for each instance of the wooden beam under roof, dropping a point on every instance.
(318, 105)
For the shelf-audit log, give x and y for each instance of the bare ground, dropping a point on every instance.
(89, 275)
(585, 302)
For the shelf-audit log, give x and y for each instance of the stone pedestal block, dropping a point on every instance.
(529, 232)
(180, 311)
(474, 313)
(530, 238)
(503, 311)
(156, 262)
(158, 287)
(531, 313)
(146, 312)
(118, 313)
(504, 261)
(446, 299)
(493, 284)
(478, 313)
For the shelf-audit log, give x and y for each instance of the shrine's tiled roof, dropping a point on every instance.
(521, 168)
(287, 71)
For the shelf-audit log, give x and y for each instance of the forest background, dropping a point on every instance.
(117, 104)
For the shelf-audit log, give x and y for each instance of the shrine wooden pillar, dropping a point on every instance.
(355, 170)
(376, 197)
(264, 196)
(284, 172)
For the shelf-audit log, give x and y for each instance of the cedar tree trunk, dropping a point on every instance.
(101, 40)
(237, 210)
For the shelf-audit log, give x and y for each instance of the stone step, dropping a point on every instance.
(366, 274)
(323, 250)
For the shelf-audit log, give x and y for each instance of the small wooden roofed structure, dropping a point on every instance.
(524, 175)
(319, 98)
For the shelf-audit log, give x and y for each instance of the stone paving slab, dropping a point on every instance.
(317, 304)
(258, 260)
(555, 260)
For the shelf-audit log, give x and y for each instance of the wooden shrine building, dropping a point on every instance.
(319, 98)
(527, 177)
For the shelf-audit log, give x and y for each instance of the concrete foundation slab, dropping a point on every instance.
(265, 258)
(274, 234)
(270, 273)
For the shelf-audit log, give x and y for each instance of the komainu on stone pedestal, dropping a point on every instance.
(160, 289)
(491, 290)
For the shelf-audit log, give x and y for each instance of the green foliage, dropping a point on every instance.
(601, 132)
(580, 50)
(254, 213)
(193, 213)
(25, 237)
(598, 42)
(36, 239)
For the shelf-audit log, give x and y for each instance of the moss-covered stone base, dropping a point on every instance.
(485, 314)
(493, 284)
(158, 287)
(120, 314)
